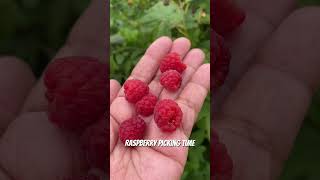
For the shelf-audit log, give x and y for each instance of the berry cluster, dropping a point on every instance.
(167, 113)
(226, 18)
(171, 67)
(76, 90)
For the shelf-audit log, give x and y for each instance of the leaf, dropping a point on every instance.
(116, 39)
(199, 136)
(172, 15)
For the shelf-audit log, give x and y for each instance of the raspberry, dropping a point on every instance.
(135, 89)
(87, 177)
(172, 61)
(167, 115)
(171, 80)
(146, 105)
(95, 142)
(226, 16)
(132, 129)
(76, 90)
(222, 165)
(221, 60)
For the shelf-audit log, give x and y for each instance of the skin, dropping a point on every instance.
(273, 76)
(258, 112)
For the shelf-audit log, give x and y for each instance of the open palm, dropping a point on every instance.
(273, 73)
(158, 162)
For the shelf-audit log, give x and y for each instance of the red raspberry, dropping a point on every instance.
(226, 16)
(87, 177)
(95, 142)
(76, 91)
(222, 165)
(135, 89)
(146, 105)
(171, 80)
(168, 115)
(172, 61)
(132, 129)
(221, 60)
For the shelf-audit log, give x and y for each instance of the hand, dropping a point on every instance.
(32, 147)
(158, 162)
(274, 71)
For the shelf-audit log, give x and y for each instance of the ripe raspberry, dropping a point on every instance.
(168, 115)
(95, 142)
(135, 89)
(132, 129)
(226, 16)
(171, 80)
(87, 177)
(76, 92)
(172, 61)
(221, 60)
(222, 165)
(146, 105)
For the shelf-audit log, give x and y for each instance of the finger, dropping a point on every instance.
(88, 35)
(262, 18)
(31, 138)
(262, 116)
(190, 101)
(87, 38)
(181, 46)
(16, 80)
(193, 95)
(114, 126)
(149, 63)
(193, 60)
(267, 10)
(114, 89)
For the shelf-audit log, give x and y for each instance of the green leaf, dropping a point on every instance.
(116, 39)
(172, 15)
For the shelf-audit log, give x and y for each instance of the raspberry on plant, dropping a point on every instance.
(172, 61)
(146, 105)
(135, 89)
(168, 115)
(132, 129)
(171, 80)
(95, 142)
(76, 90)
(222, 165)
(226, 16)
(221, 60)
(86, 177)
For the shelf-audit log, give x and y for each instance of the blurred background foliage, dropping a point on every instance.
(34, 30)
(135, 24)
